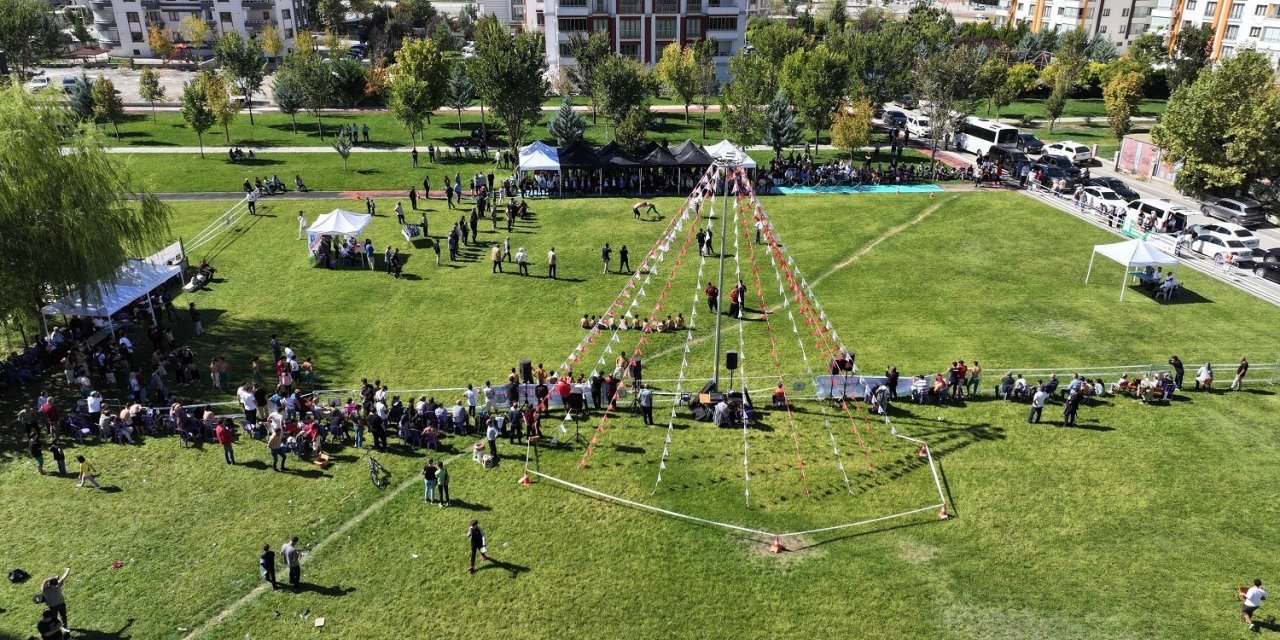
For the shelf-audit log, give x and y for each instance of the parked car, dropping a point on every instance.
(1172, 218)
(1053, 174)
(895, 118)
(1102, 197)
(1074, 151)
(1030, 143)
(1061, 163)
(69, 82)
(1214, 246)
(1227, 231)
(1008, 156)
(1117, 185)
(1241, 211)
(37, 83)
(1269, 271)
(1271, 255)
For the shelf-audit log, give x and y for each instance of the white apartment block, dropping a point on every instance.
(122, 25)
(1236, 25)
(1119, 21)
(637, 28)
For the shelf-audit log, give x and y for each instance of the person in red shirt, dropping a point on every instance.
(713, 297)
(225, 438)
(963, 377)
(50, 414)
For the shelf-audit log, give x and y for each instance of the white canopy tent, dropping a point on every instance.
(724, 147)
(539, 156)
(134, 279)
(338, 222)
(1131, 253)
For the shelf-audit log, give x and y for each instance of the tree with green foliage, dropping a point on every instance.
(107, 105)
(880, 62)
(677, 70)
(195, 31)
(568, 125)
(819, 81)
(588, 54)
(342, 143)
(621, 86)
(1222, 126)
(443, 37)
(1148, 49)
(217, 94)
(195, 110)
(315, 83)
(851, 130)
(1100, 49)
(1069, 61)
(741, 101)
(993, 78)
(773, 42)
(71, 214)
(245, 63)
(1121, 96)
(781, 129)
(332, 43)
(80, 97)
(161, 44)
(269, 39)
(349, 81)
(460, 91)
(509, 71)
(287, 95)
(838, 14)
(708, 85)
(1190, 55)
(28, 33)
(468, 18)
(948, 79)
(332, 13)
(150, 89)
(418, 83)
(631, 133)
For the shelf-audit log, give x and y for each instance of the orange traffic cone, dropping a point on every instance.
(524, 480)
(924, 452)
(942, 513)
(777, 547)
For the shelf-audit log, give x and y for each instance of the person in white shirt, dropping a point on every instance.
(127, 344)
(302, 224)
(470, 395)
(1037, 405)
(488, 396)
(94, 404)
(288, 351)
(1250, 600)
(250, 405)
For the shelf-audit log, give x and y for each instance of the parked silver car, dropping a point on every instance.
(1242, 211)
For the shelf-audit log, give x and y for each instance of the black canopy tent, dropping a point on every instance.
(658, 160)
(580, 157)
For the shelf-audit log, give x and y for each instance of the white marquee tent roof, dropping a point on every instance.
(134, 280)
(339, 222)
(1136, 253)
(539, 156)
(724, 147)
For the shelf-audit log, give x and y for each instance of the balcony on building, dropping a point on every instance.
(666, 6)
(258, 4)
(722, 6)
(693, 6)
(601, 6)
(104, 22)
(631, 6)
(99, 4)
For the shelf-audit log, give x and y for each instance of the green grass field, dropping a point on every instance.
(1077, 108)
(1138, 523)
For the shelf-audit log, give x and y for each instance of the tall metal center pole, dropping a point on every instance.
(725, 164)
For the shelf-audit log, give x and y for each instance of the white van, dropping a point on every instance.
(918, 124)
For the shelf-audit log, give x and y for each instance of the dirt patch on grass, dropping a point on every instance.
(916, 552)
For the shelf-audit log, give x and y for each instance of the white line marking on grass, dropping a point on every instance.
(315, 551)
(889, 233)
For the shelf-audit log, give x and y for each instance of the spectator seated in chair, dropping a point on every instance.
(1051, 386)
(779, 400)
(1020, 390)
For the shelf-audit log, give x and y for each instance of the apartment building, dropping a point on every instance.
(1236, 25)
(637, 28)
(1119, 21)
(121, 26)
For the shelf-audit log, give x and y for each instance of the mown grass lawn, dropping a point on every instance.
(1077, 108)
(1057, 528)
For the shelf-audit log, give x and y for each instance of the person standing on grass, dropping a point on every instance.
(51, 592)
(435, 246)
(59, 458)
(252, 201)
(426, 183)
(370, 206)
(51, 628)
(522, 261)
(1072, 408)
(1037, 405)
(429, 482)
(551, 263)
(292, 558)
(365, 130)
(448, 192)
(87, 472)
(1240, 371)
(224, 438)
(275, 442)
(645, 400)
(1178, 370)
(1250, 600)
(400, 213)
(495, 254)
(491, 434)
(302, 224)
(624, 260)
(476, 535)
(37, 453)
(413, 198)
(442, 483)
(196, 325)
(267, 566)
(414, 154)
(605, 254)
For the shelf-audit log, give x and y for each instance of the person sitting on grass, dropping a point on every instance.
(1204, 377)
(586, 322)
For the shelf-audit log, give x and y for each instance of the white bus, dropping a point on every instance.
(977, 136)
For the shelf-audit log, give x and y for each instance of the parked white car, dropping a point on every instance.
(1074, 151)
(1102, 197)
(1227, 231)
(37, 83)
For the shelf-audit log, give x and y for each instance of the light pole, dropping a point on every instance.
(723, 163)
